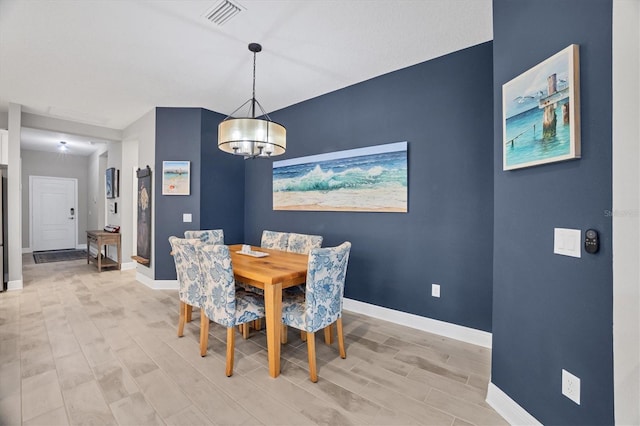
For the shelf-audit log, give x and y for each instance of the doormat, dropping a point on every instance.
(58, 255)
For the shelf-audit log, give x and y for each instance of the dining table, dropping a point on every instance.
(272, 273)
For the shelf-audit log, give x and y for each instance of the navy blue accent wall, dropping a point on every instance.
(178, 135)
(552, 312)
(443, 108)
(222, 180)
(217, 182)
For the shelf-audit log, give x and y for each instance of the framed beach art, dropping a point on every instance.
(371, 179)
(176, 177)
(541, 112)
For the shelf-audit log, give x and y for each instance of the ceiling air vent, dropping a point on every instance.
(222, 12)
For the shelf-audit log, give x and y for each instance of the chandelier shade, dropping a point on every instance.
(252, 137)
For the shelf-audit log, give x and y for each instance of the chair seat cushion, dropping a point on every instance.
(249, 306)
(293, 310)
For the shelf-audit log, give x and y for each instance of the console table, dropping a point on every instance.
(100, 239)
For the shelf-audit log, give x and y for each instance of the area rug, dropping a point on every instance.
(58, 255)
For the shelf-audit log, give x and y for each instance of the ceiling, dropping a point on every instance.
(107, 63)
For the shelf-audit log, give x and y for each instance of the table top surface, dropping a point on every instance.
(101, 232)
(280, 266)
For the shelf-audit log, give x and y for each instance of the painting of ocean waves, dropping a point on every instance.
(363, 179)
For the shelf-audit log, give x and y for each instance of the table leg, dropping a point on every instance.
(273, 317)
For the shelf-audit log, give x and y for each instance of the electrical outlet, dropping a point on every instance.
(435, 290)
(571, 386)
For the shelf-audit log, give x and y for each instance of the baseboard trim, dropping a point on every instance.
(454, 331)
(14, 285)
(26, 250)
(157, 284)
(128, 265)
(81, 246)
(513, 413)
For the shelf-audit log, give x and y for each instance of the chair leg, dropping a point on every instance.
(303, 335)
(328, 334)
(231, 336)
(245, 330)
(204, 333)
(283, 335)
(311, 349)
(257, 324)
(188, 310)
(343, 353)
(183, 309)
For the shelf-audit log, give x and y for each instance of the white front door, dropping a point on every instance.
(53, 213)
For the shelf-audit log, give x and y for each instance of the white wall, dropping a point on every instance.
(626, 210)
(95, 190)
(143, 131)
(127, 205)
(39, 163)
(14, 237)
(114, 159)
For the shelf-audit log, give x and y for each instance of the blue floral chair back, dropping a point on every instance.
(224, 304)
(209, 236)
(274, 240)
(190, 289)
(303, 243)
(321, 306)
(325, 289)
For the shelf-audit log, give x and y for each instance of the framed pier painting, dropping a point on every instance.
(541, 112)
(176, 177)
(371, 179)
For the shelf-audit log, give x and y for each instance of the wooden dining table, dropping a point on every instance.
(272, 273)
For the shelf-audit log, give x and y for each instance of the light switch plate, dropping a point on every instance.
(186, 217)
(435, 290)
(567, 242)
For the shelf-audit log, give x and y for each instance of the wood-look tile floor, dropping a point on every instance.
(82, 347)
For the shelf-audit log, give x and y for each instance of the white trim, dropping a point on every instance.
(157, 284)
(454, 331)
(513, 413)
(26, 250)
(14, 285)
(81, 246)
(128, 265)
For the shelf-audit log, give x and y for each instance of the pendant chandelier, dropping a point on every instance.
(252, 137)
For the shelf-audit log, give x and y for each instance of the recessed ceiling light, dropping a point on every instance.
(63, 146)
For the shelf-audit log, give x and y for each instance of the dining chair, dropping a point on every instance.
(209, 236)
(190, 289)
(321, 305)
(224, 304)
(274, 240)
(303, 243)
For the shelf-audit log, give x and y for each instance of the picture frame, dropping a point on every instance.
(541, 112)
(110, 183)
(176, 177)
(369, 179)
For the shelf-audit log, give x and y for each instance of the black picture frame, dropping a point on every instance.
(110, 183)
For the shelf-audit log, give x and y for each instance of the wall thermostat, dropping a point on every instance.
(591, 241)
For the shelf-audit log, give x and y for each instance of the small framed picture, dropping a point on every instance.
(110, 182)
(176, 177)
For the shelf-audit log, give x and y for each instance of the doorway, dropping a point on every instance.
(53, 211)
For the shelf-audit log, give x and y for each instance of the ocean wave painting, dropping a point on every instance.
(363, 179)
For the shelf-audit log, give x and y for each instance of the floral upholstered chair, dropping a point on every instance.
(303, 243)
(209, 236)
(321, 305)
(190, 289)
(223, 303)
(274, 240)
